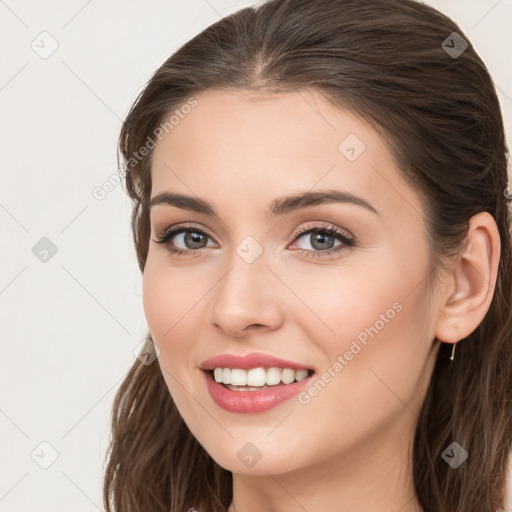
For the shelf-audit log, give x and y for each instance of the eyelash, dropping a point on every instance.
(165, 236)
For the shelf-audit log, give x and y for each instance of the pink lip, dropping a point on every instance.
(252, 401)
(248, 361)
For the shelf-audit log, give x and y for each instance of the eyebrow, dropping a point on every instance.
(280, 206)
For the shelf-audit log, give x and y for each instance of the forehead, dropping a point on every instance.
(254, 146)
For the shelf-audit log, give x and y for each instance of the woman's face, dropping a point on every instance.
(360, 317)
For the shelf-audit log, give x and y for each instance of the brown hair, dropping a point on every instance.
(439, 113)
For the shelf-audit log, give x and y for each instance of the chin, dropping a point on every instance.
(250, 461)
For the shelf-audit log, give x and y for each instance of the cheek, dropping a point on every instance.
(374, 361)
(337, 304)
(174, 312)
(168, 310)
(167, 296)
(156, 300)
(167, 307)
(382, 338)
(374, 313)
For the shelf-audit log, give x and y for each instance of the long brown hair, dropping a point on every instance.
(388, 62)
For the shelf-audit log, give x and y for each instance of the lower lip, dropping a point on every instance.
(252, 401)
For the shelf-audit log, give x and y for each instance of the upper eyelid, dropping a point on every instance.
(180, 228)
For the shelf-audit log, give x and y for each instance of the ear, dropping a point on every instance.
(471, 282)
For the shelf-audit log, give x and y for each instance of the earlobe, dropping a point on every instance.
(472, 282)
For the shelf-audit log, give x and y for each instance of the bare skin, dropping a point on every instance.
(349, 447)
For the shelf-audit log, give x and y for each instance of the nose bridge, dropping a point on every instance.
(247, 279)
(246, 294)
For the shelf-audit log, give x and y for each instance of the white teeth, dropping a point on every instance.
(258, 377)
(218, 374)
(288, 376)
(273, 376)
(301, 375)
(238, 377)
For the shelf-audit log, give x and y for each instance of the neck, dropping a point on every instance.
(375, 475)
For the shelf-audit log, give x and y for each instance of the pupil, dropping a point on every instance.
(321, 238)
(193, 237)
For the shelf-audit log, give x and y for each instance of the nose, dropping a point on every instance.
(247, 299)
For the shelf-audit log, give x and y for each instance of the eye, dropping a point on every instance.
(321, 239)
(193, 236)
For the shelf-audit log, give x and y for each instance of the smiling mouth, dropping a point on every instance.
(257, 379)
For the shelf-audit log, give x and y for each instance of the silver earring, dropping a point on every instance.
(453, 352)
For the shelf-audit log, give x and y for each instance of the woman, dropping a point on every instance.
(320, 213)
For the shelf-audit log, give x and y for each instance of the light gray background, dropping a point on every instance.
(70, 325)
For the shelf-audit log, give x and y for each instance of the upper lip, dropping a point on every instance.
(249, 361)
